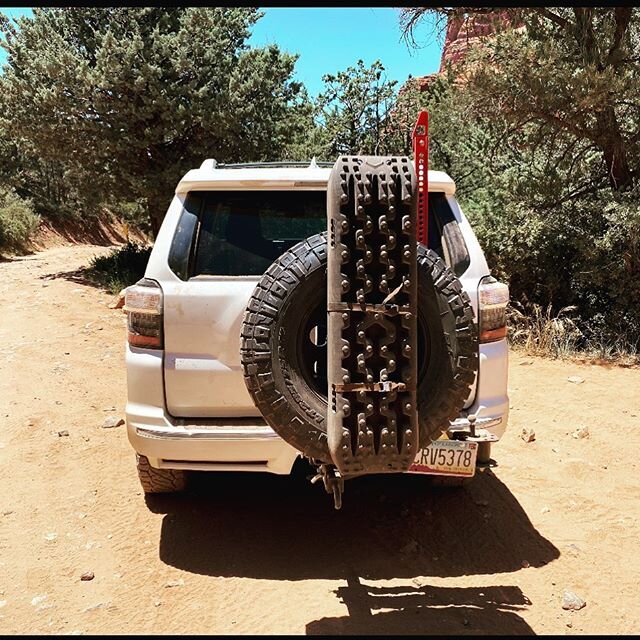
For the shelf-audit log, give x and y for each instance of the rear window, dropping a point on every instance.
(243, 232)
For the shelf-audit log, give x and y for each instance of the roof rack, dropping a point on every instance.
(212, 164)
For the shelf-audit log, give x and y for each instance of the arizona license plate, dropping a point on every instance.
(446, 458)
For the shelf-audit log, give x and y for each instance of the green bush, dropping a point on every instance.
(134, 213)
(583, 255)
(120, 268)
(17, 221)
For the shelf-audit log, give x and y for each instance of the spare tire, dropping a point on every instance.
(283, 346)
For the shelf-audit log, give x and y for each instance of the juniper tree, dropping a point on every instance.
(124, 100)
(557, 93)
(354, 107)
(569, 77)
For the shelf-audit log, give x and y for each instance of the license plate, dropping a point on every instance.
(446, 458)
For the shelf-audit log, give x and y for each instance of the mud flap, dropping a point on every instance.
(372, 423)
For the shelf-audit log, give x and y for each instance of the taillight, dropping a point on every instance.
(493, 298)
(143, 304)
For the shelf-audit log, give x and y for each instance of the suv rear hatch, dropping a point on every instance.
(225, 240)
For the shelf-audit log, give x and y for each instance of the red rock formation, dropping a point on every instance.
(463, 33)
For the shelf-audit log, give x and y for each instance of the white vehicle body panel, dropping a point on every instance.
(188, 407)
(202, 371)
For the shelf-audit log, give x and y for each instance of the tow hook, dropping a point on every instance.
(333, 482)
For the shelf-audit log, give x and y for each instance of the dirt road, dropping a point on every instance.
(252, 554)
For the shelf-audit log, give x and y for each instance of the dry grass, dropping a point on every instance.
(542, 333)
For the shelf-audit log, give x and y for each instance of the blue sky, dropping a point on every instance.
(331, 39)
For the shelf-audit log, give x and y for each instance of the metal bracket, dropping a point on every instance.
(387, 309)
(333, 482)
(373, 386)
(473, 428)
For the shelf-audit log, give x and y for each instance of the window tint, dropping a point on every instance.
(243, 232)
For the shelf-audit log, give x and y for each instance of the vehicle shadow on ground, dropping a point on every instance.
(390, 527)
(420, 610)
(283, 528)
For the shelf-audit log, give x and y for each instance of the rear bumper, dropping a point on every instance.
(214, 447)
(221, 444)
(249, 444)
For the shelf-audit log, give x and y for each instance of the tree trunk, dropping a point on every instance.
(620, 176)
(614, 149)
(157, 206)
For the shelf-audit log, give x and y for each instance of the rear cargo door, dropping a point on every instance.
(224, 242)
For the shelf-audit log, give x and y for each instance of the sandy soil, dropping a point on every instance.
(253, 554)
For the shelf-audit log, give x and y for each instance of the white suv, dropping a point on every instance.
(188, 405)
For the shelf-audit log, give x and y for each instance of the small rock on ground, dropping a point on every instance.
(528, 435)
(581, 432)
(575, 379)
(175, 583)
(572, 601)
(118, 303)
(63, 433)
(111, 422)
(87, 575)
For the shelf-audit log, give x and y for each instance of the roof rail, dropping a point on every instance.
(314, 164)
(209, 163)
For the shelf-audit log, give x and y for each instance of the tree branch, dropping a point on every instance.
(590, 187)
(554, 17)
(623, 18)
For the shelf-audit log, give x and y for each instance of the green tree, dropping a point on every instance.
(17, 221)
(353, 109)
(123, 100)
(569, 78)
(553, 100)
(460, 141)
